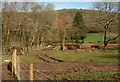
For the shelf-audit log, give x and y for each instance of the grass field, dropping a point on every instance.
(6, 58)
(94, 37)
(27, 59)
(78, 65)
(103, 56)
(88, 75)
(86, 56)
(99, 58)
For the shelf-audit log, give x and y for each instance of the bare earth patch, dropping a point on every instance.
(53, 68)
(6, 74)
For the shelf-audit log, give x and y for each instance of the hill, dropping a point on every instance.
(89, 17)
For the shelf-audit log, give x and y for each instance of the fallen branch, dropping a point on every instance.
(42, 59)
(54, 58)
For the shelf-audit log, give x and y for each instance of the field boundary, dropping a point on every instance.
(24, 71)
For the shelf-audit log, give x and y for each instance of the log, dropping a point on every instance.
(43, 59)
(54, 58)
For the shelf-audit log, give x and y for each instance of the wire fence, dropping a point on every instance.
(24, 71)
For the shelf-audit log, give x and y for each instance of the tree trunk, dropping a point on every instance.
(63, 43)
(105, 39)
(38, 41)
(8, 35)
(32, 41)
(110, 40)
(41, 44)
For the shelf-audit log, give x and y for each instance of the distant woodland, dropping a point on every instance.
(32, 24)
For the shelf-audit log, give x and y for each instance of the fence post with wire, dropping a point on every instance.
(24, 71)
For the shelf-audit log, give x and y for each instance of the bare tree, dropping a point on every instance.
(107, 16)
(26, 23)
(63, 23)
(43, 17)
(14, 23)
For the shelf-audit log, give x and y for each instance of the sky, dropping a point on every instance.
(72, 5)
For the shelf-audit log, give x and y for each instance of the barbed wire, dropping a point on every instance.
(22, 66)
(48, 77)
(22, 76)
(22, 72)
(43, 74)
(38, 77)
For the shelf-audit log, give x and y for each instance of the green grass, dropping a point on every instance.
(87, 75)
(94, 37)
(30, 59)
(7, 57)
(103, 56)
(27, 59)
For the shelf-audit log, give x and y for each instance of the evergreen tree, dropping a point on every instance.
(79, 28)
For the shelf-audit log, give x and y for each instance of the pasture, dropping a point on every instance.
(77, 65)
(94, 37)
(100, 56)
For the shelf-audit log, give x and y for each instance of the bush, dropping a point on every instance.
(94, 30)
(49, 41)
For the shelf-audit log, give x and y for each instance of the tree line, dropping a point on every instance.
(30, 24)
(33, 24)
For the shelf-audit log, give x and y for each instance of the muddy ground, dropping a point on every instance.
(53, 68)
(6, 74)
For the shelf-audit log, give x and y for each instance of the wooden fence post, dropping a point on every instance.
(15, 63)
(18, 66)
(12, 62)
(31, 71)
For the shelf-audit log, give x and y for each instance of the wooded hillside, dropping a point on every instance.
(89, 17)
(41, 25)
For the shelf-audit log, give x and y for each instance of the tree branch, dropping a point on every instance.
(113, 38)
